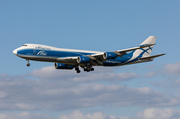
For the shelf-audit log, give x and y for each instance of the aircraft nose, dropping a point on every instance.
(15, 52)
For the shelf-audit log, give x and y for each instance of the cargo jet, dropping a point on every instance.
(70, 58)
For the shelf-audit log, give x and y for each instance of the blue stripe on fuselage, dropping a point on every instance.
(50, 53)
(57, 54)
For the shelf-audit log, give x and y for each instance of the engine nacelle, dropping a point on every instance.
(83, 59)
(63, 66)
(109, 55)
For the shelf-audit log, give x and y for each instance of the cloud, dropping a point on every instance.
(100, 74)
(97, 115)
(73, 115)
(149, 113)
(28, 94)
(51, 89)
(24, 115)
(63, 91)
(170, 73)
(169, 70)
(25, 106)
(173, 69)
(158, 113)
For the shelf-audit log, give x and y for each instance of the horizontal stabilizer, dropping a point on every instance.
(154, 56)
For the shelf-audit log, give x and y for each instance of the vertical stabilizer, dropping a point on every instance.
(149, 40)
(148, 50)
(145, 52)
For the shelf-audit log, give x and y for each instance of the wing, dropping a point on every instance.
(121, 52)
(97, 59)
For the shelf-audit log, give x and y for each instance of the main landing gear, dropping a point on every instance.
(86, 68)
(28, 64)
(77, 69)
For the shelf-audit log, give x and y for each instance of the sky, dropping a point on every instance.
(140, 91)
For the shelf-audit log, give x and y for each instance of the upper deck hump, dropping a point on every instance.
(45, 47)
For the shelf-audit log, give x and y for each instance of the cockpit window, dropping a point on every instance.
(24, 45)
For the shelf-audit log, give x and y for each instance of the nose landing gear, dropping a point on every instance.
(28, 64)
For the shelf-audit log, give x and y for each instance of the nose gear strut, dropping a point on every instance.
(28, 64)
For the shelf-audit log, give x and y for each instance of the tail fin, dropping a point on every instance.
(146, 52)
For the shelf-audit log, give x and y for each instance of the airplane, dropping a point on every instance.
(71, 58)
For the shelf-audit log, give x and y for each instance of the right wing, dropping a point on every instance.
(122, 52)
(97, 59)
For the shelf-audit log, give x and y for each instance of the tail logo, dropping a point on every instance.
(146, 50)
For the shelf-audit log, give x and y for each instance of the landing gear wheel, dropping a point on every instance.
(92, 69)
(28, 64)
(88, 69)
(78, 71)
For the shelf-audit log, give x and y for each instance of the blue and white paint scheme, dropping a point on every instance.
(70, 58)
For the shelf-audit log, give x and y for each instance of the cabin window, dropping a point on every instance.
(24, 45)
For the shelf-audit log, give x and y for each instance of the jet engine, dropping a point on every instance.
(63, 66)
(83, 59)
(109, 55)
